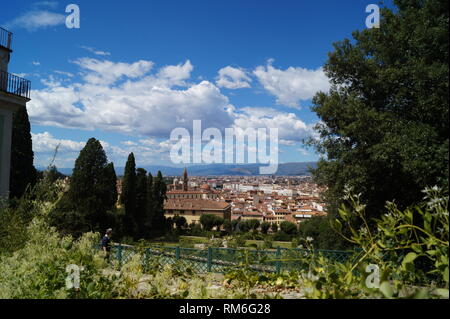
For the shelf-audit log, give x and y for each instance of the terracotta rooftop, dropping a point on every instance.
(195, 204)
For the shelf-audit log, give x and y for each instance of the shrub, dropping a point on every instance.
(288, 228)
(265, 226)
(281, 236)
(209, 221)
(268, 243)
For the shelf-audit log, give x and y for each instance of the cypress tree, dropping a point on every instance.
(110, 184)
(148, 218)
(141, 201)
(22, 172)
(128, 198)
(159, 196)
(88, 198)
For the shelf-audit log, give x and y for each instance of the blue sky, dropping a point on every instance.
(137, 69)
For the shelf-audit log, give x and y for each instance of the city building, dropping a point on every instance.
(14, 94)
(193, 209)
(192, 203)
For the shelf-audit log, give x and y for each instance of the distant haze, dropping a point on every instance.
(286, 169)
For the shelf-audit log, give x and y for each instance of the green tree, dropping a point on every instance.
(234, 224)
(244, 226)
(52, 174)
(111, 186)
(228, 226)
(324, 236)
(384, 123)
(158, 198)
(128, 197)
(219, 222)
(141, 201)
(209, 221)
(253, 224)
(180, 222)
(85, 205)
(265, 226)
(288, 228)
(149, 214)
(274, 227)
(22, 172)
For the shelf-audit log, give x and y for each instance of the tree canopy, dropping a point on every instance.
(384, 123)
(22, 171)
(91, 193)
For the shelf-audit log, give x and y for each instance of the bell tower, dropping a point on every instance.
(185, 180)
(14, 94)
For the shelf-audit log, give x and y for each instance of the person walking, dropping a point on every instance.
(106, 243)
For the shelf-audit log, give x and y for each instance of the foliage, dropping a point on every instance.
(228, 227)
(210, 221)
(288, 228)
(274, 227)
(22, 172)
(141, 203)
(282, 236)
(324, 235)
(180, 222)
(84, 207)
(195, 229)
(265, 226)
(384, 124)
(412, 258)
(158, 198)
(253, 224)
(128, 196)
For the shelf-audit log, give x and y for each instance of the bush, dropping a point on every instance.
(195, 229)
(209, 221)
(325, 237)
(288, 228)
(38, 269)
(265, 226)
(281, 236)
(268, 243)
(274, 227)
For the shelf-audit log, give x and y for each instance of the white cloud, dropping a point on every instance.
(36, 63)
(176, 74)
(142, 105)
(47, 143)
(96, 52)
(36, 19)
(290, 127)
(303, 151)
(106, 72)
(68, 74)
(292, 85)
(233, 78)
(147, 104)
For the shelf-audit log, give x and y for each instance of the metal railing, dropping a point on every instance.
(5, 38)
(220, 260)
(13, 84)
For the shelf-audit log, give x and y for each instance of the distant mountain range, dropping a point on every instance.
(285, 169)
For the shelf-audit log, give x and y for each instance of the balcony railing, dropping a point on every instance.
(5, 38)
(13, 84)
